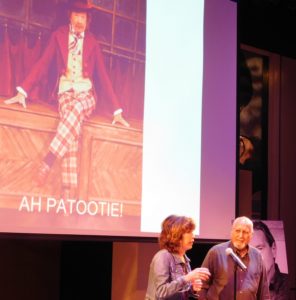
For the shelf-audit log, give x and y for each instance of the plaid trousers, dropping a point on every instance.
(74, 107)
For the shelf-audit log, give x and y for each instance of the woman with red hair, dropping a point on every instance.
(170, 275)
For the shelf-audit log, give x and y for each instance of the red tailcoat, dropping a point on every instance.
(56, 52)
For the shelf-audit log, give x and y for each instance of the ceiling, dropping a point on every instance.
(268, 25)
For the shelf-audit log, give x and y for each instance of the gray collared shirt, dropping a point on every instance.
(250, 284)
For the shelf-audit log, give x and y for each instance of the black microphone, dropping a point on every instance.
(236, 259)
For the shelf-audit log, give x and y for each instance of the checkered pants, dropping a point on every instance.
(74, 107)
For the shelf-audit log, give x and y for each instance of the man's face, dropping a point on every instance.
(78, 21)
(240, 235)
(268, 252)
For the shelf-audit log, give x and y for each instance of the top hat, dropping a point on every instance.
(79, 6)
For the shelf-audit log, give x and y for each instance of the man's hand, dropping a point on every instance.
(19, 98)
(119, 119)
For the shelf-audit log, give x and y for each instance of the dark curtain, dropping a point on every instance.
(6, 86)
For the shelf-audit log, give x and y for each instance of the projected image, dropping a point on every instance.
(71, 135)
(114, 130)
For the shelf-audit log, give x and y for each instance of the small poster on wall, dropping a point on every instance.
(269, 239)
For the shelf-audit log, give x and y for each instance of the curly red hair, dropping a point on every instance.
(172, 230)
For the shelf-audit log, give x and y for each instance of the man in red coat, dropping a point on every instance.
(78, 57)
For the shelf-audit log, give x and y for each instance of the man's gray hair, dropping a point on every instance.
(243, 220)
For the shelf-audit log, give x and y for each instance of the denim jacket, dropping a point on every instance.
(166, 277)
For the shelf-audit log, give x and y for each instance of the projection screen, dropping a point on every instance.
(178, 156)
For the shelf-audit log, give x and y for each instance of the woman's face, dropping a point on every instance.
(186, 242)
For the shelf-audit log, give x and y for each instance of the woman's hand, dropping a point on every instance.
(197, 285)
(197, 274)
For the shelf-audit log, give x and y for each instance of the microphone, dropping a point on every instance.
(236, 259)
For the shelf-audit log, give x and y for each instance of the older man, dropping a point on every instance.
(236, 267)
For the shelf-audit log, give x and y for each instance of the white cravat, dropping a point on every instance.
(75, 42)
